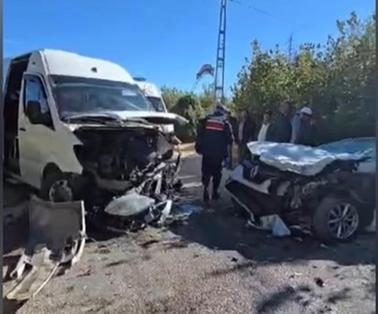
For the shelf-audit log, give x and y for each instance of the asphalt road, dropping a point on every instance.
(211, 264)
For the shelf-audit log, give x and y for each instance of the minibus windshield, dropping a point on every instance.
(75, 95)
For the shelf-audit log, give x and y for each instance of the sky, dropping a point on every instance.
(167, 41)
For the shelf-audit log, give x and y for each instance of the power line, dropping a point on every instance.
(266, 13)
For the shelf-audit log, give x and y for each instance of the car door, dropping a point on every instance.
(36, 131)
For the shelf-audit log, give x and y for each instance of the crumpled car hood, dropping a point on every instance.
(303, 160)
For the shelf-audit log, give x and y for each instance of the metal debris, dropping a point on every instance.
(57, 235)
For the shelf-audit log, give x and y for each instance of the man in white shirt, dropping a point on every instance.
(261, 137)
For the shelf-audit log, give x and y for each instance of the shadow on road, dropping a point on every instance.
(220, 228)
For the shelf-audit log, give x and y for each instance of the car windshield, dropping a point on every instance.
(84, 95)
(352, 146)
(157, 103)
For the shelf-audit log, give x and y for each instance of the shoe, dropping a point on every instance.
(206, 196)
(215, 196)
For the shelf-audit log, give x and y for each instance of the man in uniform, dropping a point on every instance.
(214, 143)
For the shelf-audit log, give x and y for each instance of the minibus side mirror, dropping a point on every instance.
(35, 115)
(33, 111)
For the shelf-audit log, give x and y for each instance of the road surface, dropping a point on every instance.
(211, 264)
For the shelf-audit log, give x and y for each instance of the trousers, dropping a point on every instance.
(212, 169)
(242, 152)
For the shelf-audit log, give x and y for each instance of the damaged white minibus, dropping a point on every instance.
(73, 122)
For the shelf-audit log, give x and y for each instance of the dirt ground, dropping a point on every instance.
(212, 264)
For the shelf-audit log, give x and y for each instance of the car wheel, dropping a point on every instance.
(336, 219)
(57, 187)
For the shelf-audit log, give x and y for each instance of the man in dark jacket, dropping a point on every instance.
(245, 133)
(214, 142)
(280, 130)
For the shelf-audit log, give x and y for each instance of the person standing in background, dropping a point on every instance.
(233, 122)
(267, 119)
(280, 130)
(307, 130)
(245, 133)
(295, 124)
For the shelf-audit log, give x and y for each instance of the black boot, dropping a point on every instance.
(206, 195)
(215, 195)
(216, 182)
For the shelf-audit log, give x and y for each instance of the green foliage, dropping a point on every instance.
(189, 105)
(337, 79)
(171, 96)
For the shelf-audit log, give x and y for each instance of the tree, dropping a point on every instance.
(337, 79)
(171, 96)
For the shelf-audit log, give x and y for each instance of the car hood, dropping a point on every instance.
(303, 160)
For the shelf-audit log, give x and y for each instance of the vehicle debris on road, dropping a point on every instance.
(57, 235)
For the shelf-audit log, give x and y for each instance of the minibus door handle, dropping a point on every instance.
(22, 129)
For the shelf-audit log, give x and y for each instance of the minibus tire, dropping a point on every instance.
(52, 178)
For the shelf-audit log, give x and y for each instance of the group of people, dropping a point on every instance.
(218, 131)
(282, 128)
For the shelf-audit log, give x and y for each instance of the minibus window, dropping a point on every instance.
(157, 103)
(35, 102)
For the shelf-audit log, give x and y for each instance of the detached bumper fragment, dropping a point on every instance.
(57, 236)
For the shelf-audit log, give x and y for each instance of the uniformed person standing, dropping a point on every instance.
(214, 143)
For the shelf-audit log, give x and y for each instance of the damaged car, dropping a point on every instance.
(79, 128)
(320, 191)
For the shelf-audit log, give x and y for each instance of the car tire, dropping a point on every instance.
(330, 209)
(57, 187)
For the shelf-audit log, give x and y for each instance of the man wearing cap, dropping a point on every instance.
(214, 142)
(306, 131)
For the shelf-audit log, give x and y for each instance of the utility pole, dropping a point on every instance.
(221, 54)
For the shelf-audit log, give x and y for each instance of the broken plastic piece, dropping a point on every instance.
(128, 205)
(165, 212)
(43, 269)
(56, 235)
(279, 228)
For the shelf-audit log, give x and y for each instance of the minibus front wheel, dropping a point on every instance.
(60, 187)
